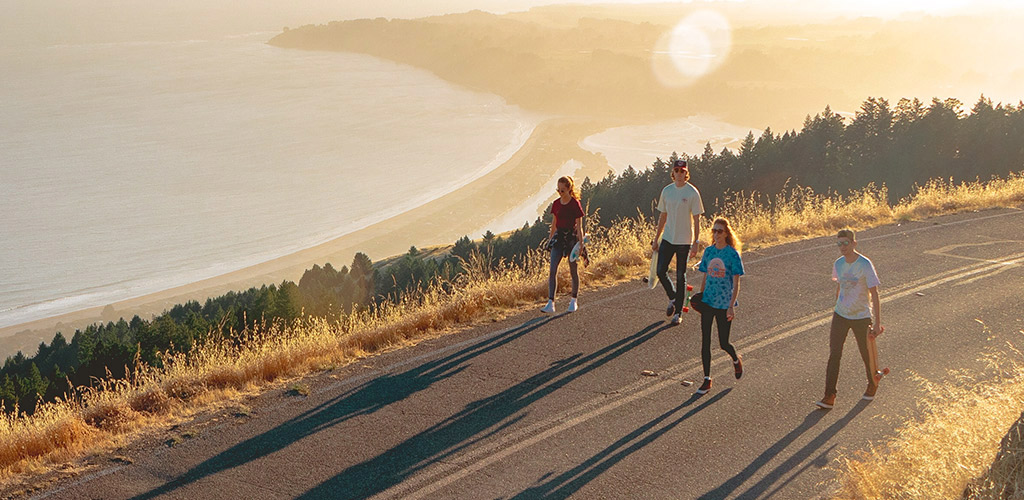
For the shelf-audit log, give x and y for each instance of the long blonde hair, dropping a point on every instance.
(730, 236)
(574, 191)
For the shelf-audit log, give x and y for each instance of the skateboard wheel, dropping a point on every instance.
(885, 371)
(686, 309)
(689, 288)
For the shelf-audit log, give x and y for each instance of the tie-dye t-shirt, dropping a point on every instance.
(720, 264)
(855, 279)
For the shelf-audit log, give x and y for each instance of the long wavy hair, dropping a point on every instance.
(730, 236)
(574, 191)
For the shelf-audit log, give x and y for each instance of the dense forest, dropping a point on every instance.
(893, 146)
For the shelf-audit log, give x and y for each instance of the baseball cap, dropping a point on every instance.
(679, 164)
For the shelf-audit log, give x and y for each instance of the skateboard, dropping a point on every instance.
(686, 303)
(575, 253)
(652, 278)
(873, 356)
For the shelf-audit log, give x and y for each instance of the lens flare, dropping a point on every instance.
(696, 46)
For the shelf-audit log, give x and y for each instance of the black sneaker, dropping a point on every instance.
(671, 308)
(705, 387)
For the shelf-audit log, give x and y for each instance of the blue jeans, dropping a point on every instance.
(557, 254)
(665, 253)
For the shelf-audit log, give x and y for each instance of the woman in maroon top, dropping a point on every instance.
(566, 230)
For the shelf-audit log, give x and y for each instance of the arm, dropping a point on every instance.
(876, 307)
(661, 227)
(696, 236)
(554, 226)
(731, 313)
(579, 231)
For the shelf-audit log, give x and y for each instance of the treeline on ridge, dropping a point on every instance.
(896, 146)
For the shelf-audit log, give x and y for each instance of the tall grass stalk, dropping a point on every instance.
(114, 412)
(952, 444)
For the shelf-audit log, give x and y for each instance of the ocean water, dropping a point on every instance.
(640, 145)
(132, 167)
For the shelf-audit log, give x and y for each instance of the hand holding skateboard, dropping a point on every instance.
(873, 353)
(876, 331)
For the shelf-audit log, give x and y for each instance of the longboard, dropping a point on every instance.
(652, 278)
(575, 252)
(873, 356)
(686, 303)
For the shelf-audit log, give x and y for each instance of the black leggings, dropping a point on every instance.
(724, 327)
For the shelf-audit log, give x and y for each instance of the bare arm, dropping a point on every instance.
(696, 236)
(661, 227)
(876, 307)
(731, 313)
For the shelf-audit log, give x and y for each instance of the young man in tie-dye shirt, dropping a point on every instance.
(857, 308)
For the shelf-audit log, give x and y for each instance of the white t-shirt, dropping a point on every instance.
(681, 204)
(855, 279)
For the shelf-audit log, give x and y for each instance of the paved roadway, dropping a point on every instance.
(556, 407)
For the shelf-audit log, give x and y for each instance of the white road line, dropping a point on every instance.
(1014, 211)
(474, 460)
(634, 387)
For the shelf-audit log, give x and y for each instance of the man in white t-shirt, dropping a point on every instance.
(678, 228)
(856, 302)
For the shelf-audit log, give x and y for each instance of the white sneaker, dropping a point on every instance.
(549, 308)
(676, 319)
(572, 306)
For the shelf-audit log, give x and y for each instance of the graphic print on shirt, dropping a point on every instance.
(716, 268)
(854, 280)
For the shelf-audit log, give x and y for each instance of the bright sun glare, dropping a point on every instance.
(693, 48)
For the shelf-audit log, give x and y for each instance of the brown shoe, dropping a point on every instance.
(827, 402)
(869, 394)
(705, 387)
(738, 366)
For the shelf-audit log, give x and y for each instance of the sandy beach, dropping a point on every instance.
(439, 222)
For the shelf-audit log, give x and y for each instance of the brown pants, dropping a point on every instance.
(837, 337)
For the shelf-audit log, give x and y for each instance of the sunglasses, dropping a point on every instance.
(716, 230)
(842, 243)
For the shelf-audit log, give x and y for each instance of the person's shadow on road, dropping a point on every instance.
(569, 482)
(366, 398)
(794, 460)
(477, 421)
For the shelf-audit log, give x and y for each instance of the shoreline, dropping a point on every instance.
(441, 221)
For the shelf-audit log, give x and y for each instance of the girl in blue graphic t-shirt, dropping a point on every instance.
(722, 268)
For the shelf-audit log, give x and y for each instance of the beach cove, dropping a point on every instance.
(553, 143)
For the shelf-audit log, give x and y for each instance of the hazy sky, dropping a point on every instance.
(75, 21)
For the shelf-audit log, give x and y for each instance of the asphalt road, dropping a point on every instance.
(556, 407)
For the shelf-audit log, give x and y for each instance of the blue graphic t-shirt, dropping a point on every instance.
(720, 265)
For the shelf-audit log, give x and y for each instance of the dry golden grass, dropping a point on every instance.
(942, 197)
(117, 412)
(952, 444)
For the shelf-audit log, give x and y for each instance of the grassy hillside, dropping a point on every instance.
(271, 355)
